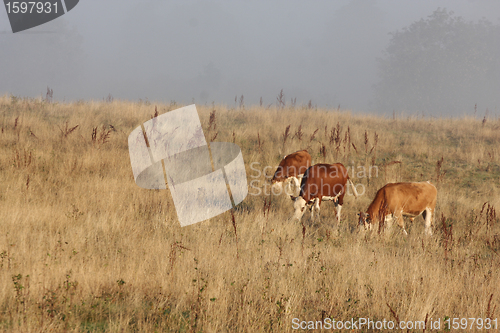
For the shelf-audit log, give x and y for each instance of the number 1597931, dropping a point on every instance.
(31, 7)
(471, 323)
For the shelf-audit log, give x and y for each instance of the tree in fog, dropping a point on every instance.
(443, 65)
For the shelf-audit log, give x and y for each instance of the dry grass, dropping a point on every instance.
(82, 248)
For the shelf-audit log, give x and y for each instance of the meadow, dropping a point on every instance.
(84, 249)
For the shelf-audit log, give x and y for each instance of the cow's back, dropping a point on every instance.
(293, 165)
(411, 198)
(324, 180)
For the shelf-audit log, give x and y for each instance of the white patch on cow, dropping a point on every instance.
(299, 205)
(290, 186)
(293, 188)
(334, 199)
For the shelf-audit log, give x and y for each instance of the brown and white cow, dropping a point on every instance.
(323, 182)
(396, 200)
(290, 172)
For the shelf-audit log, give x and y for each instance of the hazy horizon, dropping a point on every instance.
(206, 52)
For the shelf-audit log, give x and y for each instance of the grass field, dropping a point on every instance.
(84, 249)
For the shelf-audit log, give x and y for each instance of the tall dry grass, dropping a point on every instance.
(82, 248)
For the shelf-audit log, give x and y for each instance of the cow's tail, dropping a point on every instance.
(303, 181)
(353, 188)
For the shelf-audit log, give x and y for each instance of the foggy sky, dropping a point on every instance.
(211, 51)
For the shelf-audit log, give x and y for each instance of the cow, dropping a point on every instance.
(290, 171)
(322, 182)
(396, 200)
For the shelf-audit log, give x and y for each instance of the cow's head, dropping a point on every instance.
(289, 186)
(277, 181)
(300, 206)
(365, 220)
(279, 175)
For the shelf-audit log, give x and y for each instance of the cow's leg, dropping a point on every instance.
(427, 215)
(315, 208)
(401, 221)
(312, 208)
(299, 205)
(388, 222)
(339, 208)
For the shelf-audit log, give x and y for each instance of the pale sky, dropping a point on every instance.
(211, 51)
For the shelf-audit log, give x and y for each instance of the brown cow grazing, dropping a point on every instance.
(322, 182)
(290, 171)
(402, 199)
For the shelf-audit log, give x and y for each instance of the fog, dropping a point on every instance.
(215, 51)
